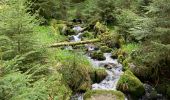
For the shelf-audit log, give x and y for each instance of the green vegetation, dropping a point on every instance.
(136, 32)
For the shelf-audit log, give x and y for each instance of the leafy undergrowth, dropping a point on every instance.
(46, 36)
(129, 48)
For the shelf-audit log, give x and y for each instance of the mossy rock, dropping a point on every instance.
(105, 49)
(141, 71)
(126, 64)
(104, 95)
(110, 39)
(129, 83)
(98, 55)
(98, 75)
(100, 27)
(114, 54)
(84, 87)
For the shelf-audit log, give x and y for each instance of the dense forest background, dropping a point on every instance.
(137, 31)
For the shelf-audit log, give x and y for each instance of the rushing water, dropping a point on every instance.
(113, 68)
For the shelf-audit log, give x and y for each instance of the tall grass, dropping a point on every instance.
(46, 36)
(130, 47)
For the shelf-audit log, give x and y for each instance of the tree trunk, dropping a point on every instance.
(74, 43)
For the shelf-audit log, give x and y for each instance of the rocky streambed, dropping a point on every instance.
(115, 79)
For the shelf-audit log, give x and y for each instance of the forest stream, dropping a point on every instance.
(113, 69)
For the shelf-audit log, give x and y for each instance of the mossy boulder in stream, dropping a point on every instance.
(129, 83)
(104, 95)
(105, 49)
(98, 75)
(98, 55)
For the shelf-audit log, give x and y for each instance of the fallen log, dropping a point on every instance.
(74, 43)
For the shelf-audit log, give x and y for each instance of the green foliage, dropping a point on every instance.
(103, 11)
(131, 47)
(17, 30)
(127, 20)
(49, 9)
(110, 39)
(75, 69)
(46, 35)
(17, 25)
(16, 86)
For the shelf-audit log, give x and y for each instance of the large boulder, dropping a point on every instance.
(129, 83)
(104, 95)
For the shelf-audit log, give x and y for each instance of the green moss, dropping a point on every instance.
(115, 54)
(109, 95)
(100, 27)
(105, 49)
(98, 75)
(47, 35)
(75, 69)
(88, 35)
(129, 83)
(98, 55)
(110, 39)
(125, 64)
(121, 41)
(129, 48)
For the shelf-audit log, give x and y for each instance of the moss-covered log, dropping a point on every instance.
(74, 43)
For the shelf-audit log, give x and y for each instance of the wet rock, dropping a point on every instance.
(98, 55)
(104, 95)
(129, 83)
(110, 65)
(151, 93)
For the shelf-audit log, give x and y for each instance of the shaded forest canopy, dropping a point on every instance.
(135, 32)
